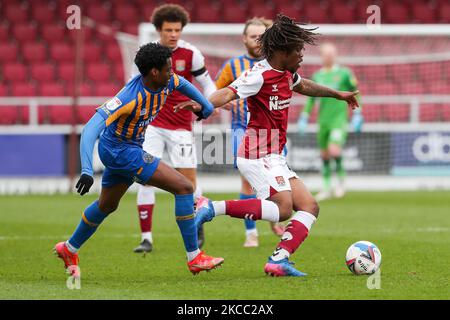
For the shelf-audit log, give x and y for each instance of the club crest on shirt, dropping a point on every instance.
(275, 87)
(180, 65)
(280, 180)
(113, 104)
(148, 158)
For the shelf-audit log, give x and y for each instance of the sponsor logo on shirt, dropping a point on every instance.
(275, 104)
(180, 65)
(113, 104)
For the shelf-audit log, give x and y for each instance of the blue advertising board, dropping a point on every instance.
(32, 155)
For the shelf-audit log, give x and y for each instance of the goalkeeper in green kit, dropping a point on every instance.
(332, 120)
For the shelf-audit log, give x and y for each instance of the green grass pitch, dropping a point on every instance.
(412, 230)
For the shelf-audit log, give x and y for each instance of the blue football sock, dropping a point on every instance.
(91, 219)
(184, 212)
(249, 224)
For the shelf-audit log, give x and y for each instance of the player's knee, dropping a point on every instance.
(184, 187)
(310, 206)
(285, 211)
(108, 208)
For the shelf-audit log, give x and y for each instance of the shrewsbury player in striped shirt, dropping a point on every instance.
(231, 70)
(121, 123)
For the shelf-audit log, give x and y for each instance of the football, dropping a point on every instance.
(363, 257)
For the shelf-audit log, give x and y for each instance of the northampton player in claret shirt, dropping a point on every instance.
(120, 125)
(173, 132)
(268, 88)
(230, 71)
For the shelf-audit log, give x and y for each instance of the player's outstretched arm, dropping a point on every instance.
(312, 89)
(203, 109)
(222, 97)
(91, 132)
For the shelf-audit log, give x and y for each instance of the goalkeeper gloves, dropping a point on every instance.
(302, 123)
(84, 184)
(357, 121)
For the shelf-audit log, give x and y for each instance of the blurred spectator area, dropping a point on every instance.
(37, 50)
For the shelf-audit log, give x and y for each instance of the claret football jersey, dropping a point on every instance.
(268, 92)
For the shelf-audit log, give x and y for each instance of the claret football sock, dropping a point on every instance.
(184, 212)
(250, 209)
(250, 225)
(296, 232)
(92, 217)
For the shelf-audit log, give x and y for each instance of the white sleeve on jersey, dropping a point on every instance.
(198, 60)
(207, 83)
(248, 84)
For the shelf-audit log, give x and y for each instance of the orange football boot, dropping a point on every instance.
(70, 259)
(203, 262)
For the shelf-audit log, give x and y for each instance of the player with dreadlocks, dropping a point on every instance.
(268, 88)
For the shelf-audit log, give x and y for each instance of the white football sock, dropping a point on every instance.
(270, 211)
(191, 255)
(70, 247)
(305, 218)
(219, 207)
(280, 254)
(147, 236)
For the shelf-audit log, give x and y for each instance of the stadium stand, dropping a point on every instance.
(37, 51)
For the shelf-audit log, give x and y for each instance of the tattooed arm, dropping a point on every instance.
(312, 89)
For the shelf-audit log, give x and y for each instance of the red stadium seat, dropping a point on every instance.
(372, 112)
(107, 89)
(14, 72)
(66, 72)
(84, 90)
(395, 13)
(397, 113)
(24, 90)
(62, 52)
(413, 87)
(147, 10)
(385, 88)
(53, 33)
(60, 114)
(98, 71)
(261, 9)
(315, 13)
(4, 90)
(234, 13)
(444, 13)
(423, 13)
(342, 13)
(99, 13)
(126, 13)
(440, 87)
(445, 112)
(4, 33)
(16, 13)
(9, 115)
(429, 112)
(34, 52)
(24, 32)
(208, 14)
(402, 71)
(43, 72)
(85, 113)
(293, 11)
(24, 113)
(52, 89)
(374, 73)
(113, 52)
(92, 53)
(8, 53)
(119, 73)
(43, 13)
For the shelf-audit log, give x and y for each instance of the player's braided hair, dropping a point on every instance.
(285, 35)
(151, 55)
(169, 13)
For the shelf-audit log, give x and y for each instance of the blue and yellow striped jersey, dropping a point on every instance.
(128, 114)
(231, 70)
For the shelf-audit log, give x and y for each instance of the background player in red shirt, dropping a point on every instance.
(170, 131)
(268, 88)
(230, 71)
